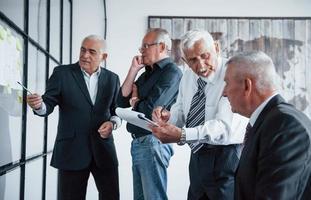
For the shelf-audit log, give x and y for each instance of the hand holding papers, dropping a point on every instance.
(142, 116)
(135, 118)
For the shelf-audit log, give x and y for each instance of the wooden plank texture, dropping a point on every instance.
(286, 40)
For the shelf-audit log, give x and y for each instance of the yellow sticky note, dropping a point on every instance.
(3, 33)
(8, 89)
(18, 44)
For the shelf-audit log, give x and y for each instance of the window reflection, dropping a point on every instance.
(10, 95)
(14, 9)
(9, 185)
(37, 24)
(51, 181)
(55, 28)
(33, 180)
(36, 83)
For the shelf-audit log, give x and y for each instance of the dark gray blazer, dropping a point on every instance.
(77, 139)
(276, 159)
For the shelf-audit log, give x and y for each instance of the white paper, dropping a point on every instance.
(132, 117)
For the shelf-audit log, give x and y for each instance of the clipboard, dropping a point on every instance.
(135, 118)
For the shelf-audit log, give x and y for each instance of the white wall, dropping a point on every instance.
(127, 23)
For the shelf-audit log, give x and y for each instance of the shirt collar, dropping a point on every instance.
(97, 72)
(161, 63)
(259, 109)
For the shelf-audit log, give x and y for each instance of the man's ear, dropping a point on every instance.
(248, 86)
(162, 46)
(104, 56)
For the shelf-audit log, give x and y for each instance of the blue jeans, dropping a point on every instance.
(150, 159)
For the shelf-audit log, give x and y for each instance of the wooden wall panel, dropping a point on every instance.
(300, 65)
(308, 65)
(167, 24)
(232, 37)
(178, 28)
(288, 66)
(154, 23)
(266, 33)
(276, 44)
(256, 33)
(286, 40)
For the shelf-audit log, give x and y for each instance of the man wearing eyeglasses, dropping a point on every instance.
(202, 118)
(157, 85)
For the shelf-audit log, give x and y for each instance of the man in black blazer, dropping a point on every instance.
(276, 158)
(86, 95)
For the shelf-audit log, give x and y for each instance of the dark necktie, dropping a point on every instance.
(196, 115)
(247, 131)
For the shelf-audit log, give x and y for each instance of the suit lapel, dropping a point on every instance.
(101, 85)
(78, 76)
(272, 103)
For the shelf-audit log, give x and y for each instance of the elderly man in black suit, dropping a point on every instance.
(86, 95)
(276, 158)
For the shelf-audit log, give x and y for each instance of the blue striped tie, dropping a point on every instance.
(196, 115)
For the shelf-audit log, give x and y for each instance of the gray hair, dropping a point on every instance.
(100, 39)
(162, 36)
(191, 37)
(258, 65)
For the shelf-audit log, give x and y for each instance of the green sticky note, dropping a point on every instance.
(8, 89)
(18, 44)
(3, 33)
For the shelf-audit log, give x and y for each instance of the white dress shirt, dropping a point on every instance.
(91, 82)
(221, 127)
(259, 109)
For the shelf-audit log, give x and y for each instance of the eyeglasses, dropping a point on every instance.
(146, 46)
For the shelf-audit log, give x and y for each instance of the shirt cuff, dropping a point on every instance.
(42, 110)
(116, 120)
(192, 134)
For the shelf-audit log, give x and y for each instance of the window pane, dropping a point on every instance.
(66, 33)
(9, 185)
(36, 83)
(11, 51)
(13, 9)
(55, 29)
(51, 181)
(33, 179)
(37, 22)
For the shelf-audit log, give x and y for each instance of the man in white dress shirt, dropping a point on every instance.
(202, 118)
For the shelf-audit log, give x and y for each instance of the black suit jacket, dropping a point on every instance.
(77, 139)
(276, 159)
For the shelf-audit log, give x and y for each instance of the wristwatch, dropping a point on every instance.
(182, 140)
(114, 125)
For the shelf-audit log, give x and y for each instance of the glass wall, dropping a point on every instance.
(35, 36)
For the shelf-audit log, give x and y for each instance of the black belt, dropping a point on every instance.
(210, 146)
(135, 135)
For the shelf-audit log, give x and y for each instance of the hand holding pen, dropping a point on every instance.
(160, 114)
(34, 100)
